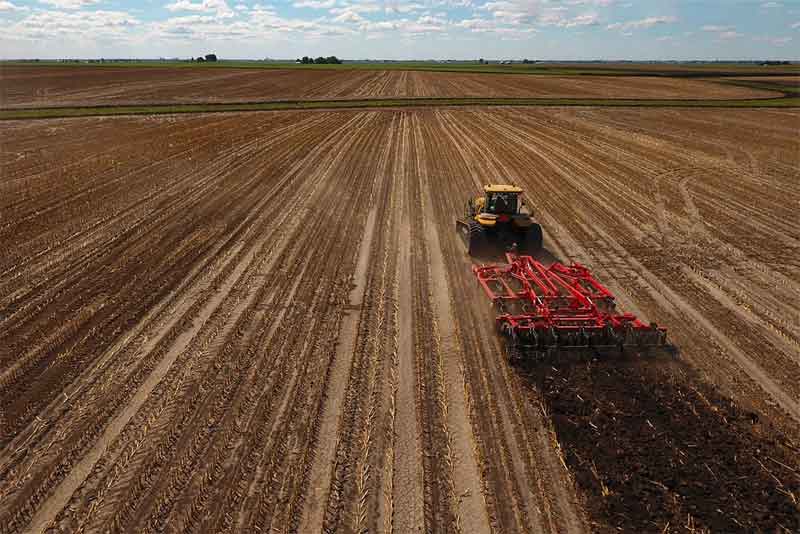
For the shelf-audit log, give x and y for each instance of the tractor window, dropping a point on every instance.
(502, 203)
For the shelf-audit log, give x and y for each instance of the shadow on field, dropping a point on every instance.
(655, 449)
(497, 255)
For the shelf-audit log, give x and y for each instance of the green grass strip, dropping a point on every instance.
(94, 111)
(558, 69)
(766, 84)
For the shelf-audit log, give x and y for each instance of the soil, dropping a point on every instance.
(26, 86)
(657, 449)
(203, 328)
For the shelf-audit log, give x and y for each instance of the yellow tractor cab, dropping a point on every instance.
(498, 204)
(499, 219)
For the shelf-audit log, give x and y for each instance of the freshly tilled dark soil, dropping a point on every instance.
(655, 448)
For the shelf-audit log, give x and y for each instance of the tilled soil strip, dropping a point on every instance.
(657, 449)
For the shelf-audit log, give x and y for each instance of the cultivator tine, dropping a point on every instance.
(542, 310)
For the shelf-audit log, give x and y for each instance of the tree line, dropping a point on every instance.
(330, 60)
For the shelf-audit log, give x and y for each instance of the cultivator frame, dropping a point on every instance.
(542, 309)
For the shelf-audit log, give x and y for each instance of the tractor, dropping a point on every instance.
(499, 220)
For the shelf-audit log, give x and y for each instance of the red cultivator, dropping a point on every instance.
(546, 308)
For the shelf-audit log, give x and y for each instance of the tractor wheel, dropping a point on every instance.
(477, 238)
(532, 242)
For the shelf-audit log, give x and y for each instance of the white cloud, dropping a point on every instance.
(8, 6)
(429, 19)
(221, 7)
(379, 26)
(404, 7)
(406, 27)
(599, 3)
(315, 4)
(587, 19)
(499, 29)
(714, 28)
(477, 25)
(648, 22)
(261, 23)
(356, 8)
(424, 24)
(49, 25)
(515, 11)
(771, 5)
(348, 16)
(544, 12)
(69, 4)
(185, 5)
(267, 20)
(247, 28)
(450, 3)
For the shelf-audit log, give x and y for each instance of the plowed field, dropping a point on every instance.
(65, 86)
(248, 322)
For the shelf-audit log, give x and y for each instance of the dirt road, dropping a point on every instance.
(33, 86)
(252, 322)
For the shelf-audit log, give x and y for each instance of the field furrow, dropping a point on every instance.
(266, 322)
(69, 86)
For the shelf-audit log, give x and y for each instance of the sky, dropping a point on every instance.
(403, 29)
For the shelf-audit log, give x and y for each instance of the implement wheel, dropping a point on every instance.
(476, 238)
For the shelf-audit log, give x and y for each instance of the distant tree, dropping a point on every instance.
(200, 59)
(211, 57)
(330, 60)
(481, 61)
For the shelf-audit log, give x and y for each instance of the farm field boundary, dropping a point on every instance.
(785, 101)
(537, 69)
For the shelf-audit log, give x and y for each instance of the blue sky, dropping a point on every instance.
(403, 29)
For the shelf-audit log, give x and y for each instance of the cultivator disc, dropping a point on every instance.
(545, 309)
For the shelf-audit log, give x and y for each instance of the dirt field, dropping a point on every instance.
(62, 86)
(247, 322)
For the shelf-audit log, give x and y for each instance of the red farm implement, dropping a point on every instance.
(542, 309)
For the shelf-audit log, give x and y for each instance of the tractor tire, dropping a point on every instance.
(532, 242)
(477, 239)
